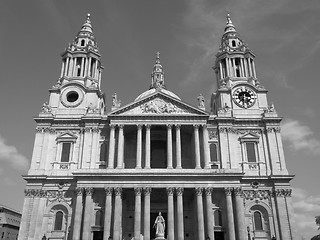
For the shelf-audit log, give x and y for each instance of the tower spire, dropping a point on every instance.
(81, 60)
(157, 75)
(229, 26)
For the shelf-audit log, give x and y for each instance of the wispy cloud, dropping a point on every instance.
(10, 155)
(300, 137)
(306, 207)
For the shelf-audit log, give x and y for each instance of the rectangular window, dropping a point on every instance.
(213, 152)
(251, 154)
(65, 154)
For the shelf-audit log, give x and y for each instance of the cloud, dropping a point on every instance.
(9, 154)
(300, 137)
(306, 207)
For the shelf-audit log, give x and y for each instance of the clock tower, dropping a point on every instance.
(238, 87)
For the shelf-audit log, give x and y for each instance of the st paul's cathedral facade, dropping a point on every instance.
(158, 167)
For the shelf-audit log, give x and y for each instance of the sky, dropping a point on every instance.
(284, 35)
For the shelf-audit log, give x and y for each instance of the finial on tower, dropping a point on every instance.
(158, 57)
(229, 26)
(157, 76)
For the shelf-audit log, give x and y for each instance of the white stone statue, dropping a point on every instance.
(160, 226)
(201, 100)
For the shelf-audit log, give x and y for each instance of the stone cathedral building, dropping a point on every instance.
(100, 173)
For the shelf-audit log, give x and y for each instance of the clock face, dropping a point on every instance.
(244, 97)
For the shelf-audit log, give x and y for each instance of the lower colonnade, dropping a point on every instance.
(175, 229)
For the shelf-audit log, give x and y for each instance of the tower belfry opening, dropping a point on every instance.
(99, 173)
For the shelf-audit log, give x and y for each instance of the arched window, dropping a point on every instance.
(58, 221)
(82, 42)
(217, 218)
(258, 226)
(98, 220)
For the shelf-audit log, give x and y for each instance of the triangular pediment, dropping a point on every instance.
(67, 136)
(158, 104)
(249, 136)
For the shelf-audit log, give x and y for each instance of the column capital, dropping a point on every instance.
(139, 126)
(196, 126)
(148, 126)
(179, 191)
(147, 191)
(79, 191)
(112, 126)
(208, 191)
(238, 191)
(199, 191)
(118, 191)
(108, 191)
(170, 191)
(169, 126)
(120, 126)
(228, 191)
(204, 126)
(137, 191)
(178, 126)
(89, 191)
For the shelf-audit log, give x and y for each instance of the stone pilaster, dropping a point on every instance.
(148, 146)
(87, 220)
(120, 147)
(78, 214)
(111, 147)
(208, 191)
(200, 217)
(241, 228)
(170, 214)
(180, 224)
(117, 229)
(197, 146)
(137, 213)
(169, 146)
(25, 219)
(147, 193)
(206, 146)
(107, 213)
(139, 146)
(231, 231)
(178, 146)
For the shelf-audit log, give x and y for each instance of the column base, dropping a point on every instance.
(159, 238)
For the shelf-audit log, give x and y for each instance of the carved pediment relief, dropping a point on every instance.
(250, 136)
(67, 136)
(159, 105)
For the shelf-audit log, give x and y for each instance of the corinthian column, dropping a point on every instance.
(139, 145)
(78, 215)
(197, 146)
(200, 213)
(178, 146)
(206, 146)
(117, 213)
(137, 213)
(108, 212)
(231, 231)
(240, 214)
(111, 147)
(169, 146)
(180, 224)
(170, 214)
(120, 147)
(146, 233)
(209, 212)
(86, 234)
(148, 143)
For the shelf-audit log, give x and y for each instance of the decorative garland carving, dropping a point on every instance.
(282, 192)
(256, 194)
(273, 129)
(213, 134)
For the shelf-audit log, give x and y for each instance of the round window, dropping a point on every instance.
(72, 96)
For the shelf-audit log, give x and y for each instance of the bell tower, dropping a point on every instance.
(78, 91)
(239, 90)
